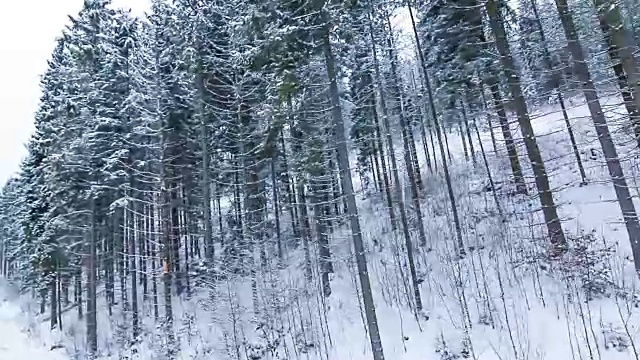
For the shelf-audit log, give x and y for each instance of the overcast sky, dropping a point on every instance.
(28, 29)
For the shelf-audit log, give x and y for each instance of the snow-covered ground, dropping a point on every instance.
(16, 343)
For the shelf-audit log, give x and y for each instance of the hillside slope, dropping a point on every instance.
(504, 300)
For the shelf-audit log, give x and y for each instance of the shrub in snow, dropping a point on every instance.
(588, 262)
(615, 337)
(446, 353)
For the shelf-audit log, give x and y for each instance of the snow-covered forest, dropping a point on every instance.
(333, 180)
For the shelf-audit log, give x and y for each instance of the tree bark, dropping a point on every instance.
(352, 210)
(512, 152)
(92, 324)
(613, 49)
(554, 226)
(621, 44)
(459, 243)
(394, 171)
(556, 85)
(623, 195)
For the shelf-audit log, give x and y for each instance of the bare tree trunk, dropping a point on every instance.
(408, 153)
(394, 171)
(512, 152)
(133, 272)
(320, 203)
(385, 175)
(421, 115)
(489, 122)
(621, 44)
(352, 211)
(556, 85)
(92, 324)
(61, 293)
(459, 243)
(288, 183)
(109, 256)
(167, 266)
(120, 251)
(375, 169)
(165, 215)
(464, 141)
(446, 141)
(414, 154)
(78, 291)
(602, 129)
(554, 226)
(206, 183)
(219, 208)
(628, 97)
(153, 255)
(276, 211)
(411, 159)
(468, 133)
(144, 249)
(54, 301)
(486, 165)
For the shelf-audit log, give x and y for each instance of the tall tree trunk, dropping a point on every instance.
(206, 183)
(92, 323)
(276, 211)
(421, 117)
(464, 141)
(556, 85)
(459, 242)
(320, 203)
(621, 43)
(404, 130)
(602, 129)
(383, 164)
(629, 98)
(516, 169)
(347, 190)
(78, 291)
(433, 144)
(60, 295)
(286, 179)
(153, 255)
(167, 265)
(133, 271)
(554, 226)
(394, 171)
(485, 105)
(120, 252)
(468, 133)
(53, 285)
(109, 257)
(219, 208)
(413, 166)
(486, 164)
(165, 212)
(144, 250)
(414, 154)
(175, 234)
(445, 132)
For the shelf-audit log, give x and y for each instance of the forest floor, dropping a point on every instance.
(504, 300)
(16, 343)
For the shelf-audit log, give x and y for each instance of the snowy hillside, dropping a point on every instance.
(330, 180)
(503, 301)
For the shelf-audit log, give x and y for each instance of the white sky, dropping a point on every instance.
(28, 29)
